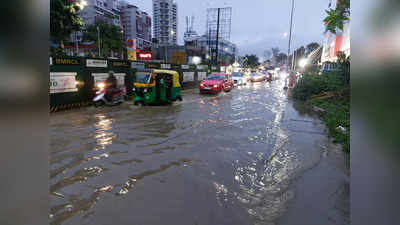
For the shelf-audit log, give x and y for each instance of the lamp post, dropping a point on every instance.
(290, 33)
(81, 4)
(98, 38)
(303, 62)
(76, 42)
(290, 39)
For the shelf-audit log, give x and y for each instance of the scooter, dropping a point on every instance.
(118, 97)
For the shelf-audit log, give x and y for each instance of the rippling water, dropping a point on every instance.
(209, 160)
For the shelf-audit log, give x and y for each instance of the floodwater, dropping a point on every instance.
(250, 156)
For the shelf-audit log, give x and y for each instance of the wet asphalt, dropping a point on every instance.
(250, 156)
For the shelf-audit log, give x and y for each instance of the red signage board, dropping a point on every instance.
(145, 56)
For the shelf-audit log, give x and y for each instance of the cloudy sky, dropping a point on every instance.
(257, 25)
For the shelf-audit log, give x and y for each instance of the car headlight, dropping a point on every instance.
(201, 85)
(216, 85)
(145, 90)
(134, 89)
(101, 85)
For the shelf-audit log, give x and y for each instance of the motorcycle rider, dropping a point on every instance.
(111, 86)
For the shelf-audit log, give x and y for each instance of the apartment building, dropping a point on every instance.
(165, 21)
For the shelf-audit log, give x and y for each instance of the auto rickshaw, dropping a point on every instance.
(156, 87)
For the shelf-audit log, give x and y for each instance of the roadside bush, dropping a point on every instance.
(336, 106)
(337, 114)
(312, 84)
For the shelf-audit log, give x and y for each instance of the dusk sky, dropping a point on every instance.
(257, 25)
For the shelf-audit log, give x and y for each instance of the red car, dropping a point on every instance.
(215, 83)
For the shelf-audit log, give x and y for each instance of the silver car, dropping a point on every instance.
(238, 79)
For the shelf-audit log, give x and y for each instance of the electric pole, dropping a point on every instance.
(216, 49)
(290, 33)
(98, 36)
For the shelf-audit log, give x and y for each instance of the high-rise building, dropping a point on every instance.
(165, 21)
(136, 25)
(107, 10)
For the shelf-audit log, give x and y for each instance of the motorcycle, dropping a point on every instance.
(117, 97)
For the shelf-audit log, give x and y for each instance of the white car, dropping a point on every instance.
(239, 79)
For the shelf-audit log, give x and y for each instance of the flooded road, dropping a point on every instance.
(250, 156)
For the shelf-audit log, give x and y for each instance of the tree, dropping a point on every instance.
(64, 19)
(337, 17)
(251, 61)
(111, 39)
(300, 52)
(311, 47)
(267, 54)
(281, 58)
(275, 51)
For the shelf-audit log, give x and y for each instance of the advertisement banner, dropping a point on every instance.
(131, 49)
(96, 63)
(101, 77)
(145, 56)
(137, 65)
(202, 67)
(188, 76)
(63, 82)
(166, 66)
(201, 75)
(120, 79)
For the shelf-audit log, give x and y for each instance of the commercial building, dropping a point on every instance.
(165, 21)
(334, 43)
(107, 10)
(227, 51)
(136, 25)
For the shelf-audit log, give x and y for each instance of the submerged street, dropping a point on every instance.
(250, 156)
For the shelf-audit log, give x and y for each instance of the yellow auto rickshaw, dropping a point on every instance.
(155, 87)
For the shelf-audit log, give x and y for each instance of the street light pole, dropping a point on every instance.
(216, 49)
(76, 42)
(98, 36)
(290, 33)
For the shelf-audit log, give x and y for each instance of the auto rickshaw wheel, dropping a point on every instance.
(179, 98)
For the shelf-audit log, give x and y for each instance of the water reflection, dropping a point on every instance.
(103, 135)
(264, 181)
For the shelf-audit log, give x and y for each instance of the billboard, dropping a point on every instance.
(131, 49)
(145, 56)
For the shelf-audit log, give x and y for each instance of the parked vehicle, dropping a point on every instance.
(216, 83)
(116, 97)
(239, 79)
(155, 87)
(257, 77)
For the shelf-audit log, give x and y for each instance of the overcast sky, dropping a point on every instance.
(257, 25)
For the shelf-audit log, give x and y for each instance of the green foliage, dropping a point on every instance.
(312, 84)
(311, 47)
(337, 115)
(281, 58)
(337, 108)
(64, 19)
(275, 51)
(111, 39)
(337, 17)
(251, 61)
